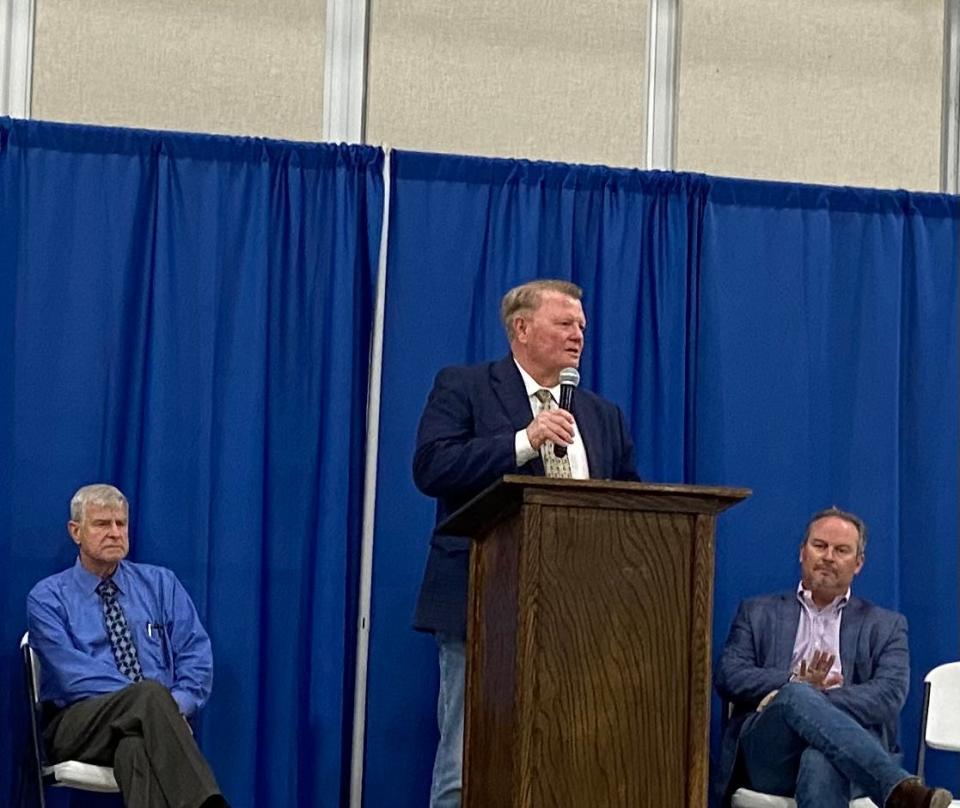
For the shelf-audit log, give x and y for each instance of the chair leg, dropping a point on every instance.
(41, 788)
(922, 743)
(41, 801)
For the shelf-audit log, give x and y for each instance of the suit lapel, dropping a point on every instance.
(851, 622)
(788, 619)
(507, 384)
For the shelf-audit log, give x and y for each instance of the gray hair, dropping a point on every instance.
(96, 494)
(526, 298)
(852, 518)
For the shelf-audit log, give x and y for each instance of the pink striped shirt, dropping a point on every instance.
(818, 630)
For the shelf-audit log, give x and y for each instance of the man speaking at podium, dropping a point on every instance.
(496, 418)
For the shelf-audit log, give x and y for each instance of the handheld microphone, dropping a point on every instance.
(569, 379)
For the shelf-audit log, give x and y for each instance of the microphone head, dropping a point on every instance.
(570, 376)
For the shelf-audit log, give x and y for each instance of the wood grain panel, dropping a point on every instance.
(491, 710)
(701, 626)
(611, 633)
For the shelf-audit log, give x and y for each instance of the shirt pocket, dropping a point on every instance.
(153, 645)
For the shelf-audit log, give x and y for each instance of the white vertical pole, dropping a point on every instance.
(663, 57)
(369, 505)
(950, 115)
(344, 75)
(16, 57)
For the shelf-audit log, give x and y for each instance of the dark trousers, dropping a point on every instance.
(139, 731)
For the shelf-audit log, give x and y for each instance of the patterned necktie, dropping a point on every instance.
(124, 651)
(553, 466)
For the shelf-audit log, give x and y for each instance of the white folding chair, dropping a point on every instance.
(940, 723)
(745, 798)
(67, 773)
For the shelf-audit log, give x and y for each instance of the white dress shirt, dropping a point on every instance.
(576, 451)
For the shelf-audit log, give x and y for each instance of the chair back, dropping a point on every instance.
(31, 668)
(68, 773)
(941, 725)
(31, 671)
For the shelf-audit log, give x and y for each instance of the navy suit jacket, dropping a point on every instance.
(756, 659)
(465, 442)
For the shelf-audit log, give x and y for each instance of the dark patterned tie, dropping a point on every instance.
(553, 466)
(124, 651)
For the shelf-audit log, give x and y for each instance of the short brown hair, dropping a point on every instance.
(852, 518)
(526, 297)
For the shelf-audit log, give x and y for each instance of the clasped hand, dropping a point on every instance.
(552, 425)
(817, 671)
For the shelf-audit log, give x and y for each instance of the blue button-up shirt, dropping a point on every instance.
(68, 632)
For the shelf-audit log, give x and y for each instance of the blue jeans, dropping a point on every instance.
(448, 765)
(804, 746)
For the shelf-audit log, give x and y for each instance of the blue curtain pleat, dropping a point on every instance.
(191, 320)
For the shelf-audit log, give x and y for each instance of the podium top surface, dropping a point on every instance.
(509, 493)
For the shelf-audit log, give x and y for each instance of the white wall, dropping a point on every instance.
(829, 91)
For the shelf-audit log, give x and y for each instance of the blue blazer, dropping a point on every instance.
(756, 659)
(465, 442)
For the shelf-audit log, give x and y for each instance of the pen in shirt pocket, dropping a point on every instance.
(156, 631)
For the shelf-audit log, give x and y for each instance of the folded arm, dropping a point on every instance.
(879, 699)
(739, 677)
(69, 674)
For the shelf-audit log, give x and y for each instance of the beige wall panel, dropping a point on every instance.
(825, 91)
(543, 79)
(251, 67)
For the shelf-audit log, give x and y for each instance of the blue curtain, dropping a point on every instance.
(800, 341)
(462, 231)
(188, 317)
(828, 375)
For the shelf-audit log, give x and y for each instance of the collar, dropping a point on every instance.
(532, 385)
(805, 596)
(87, 582)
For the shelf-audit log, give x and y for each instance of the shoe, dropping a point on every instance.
(911, 793)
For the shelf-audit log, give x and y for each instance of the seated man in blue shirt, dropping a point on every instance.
(123, 654)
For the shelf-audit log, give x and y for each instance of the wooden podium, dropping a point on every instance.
(588, 643)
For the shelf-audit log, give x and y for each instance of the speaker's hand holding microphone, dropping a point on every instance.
(556, 425)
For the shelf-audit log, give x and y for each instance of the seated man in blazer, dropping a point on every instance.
(497, 418)
(817, 679)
